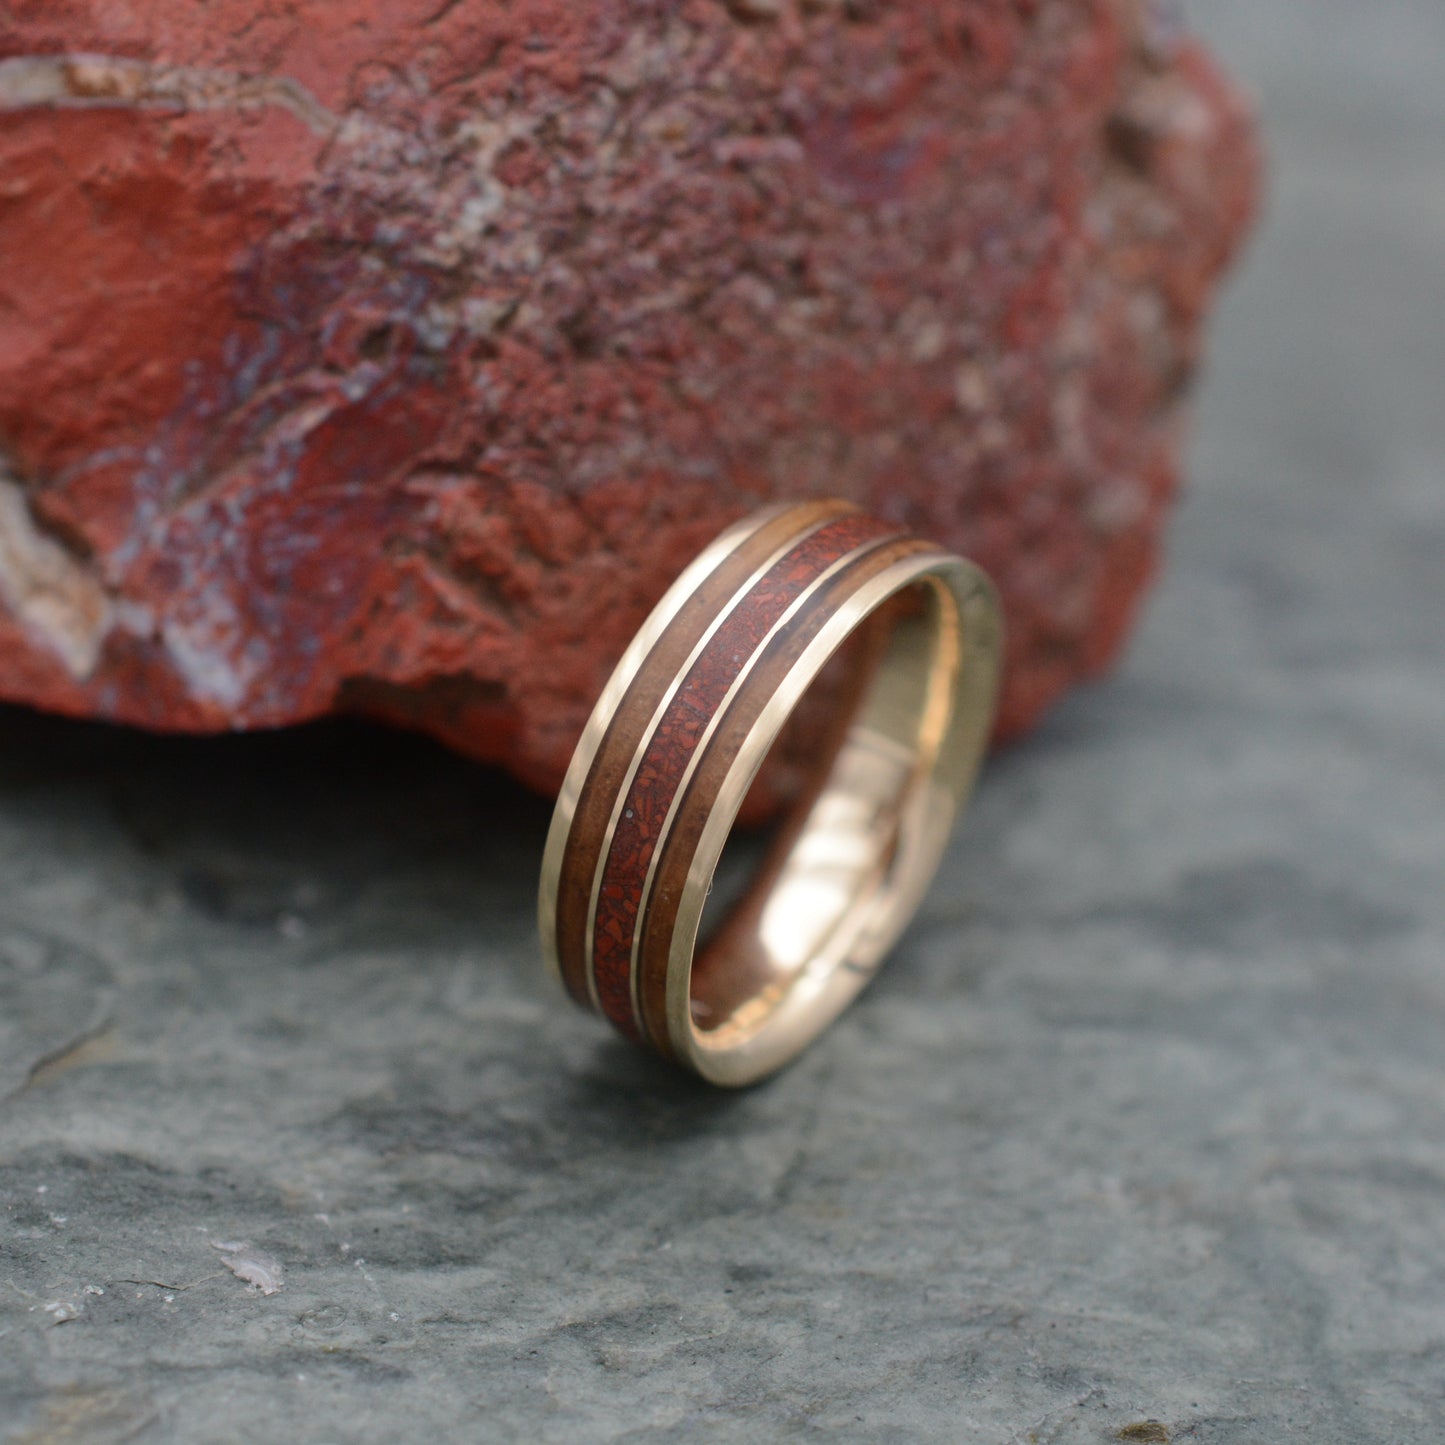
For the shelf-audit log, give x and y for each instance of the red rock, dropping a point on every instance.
(391, 359)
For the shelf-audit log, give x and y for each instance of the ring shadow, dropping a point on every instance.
(267, 830)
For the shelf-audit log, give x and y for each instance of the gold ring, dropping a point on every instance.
(682, 729)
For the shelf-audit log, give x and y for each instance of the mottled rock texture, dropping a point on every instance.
(391, 358)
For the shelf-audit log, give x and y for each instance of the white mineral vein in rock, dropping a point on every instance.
(261, 1271)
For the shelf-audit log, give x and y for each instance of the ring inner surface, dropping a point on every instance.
(820, 910)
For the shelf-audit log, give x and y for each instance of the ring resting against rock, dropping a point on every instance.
(682, 729)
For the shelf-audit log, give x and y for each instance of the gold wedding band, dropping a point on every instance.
(683, 727)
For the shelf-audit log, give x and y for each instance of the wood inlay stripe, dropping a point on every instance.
(664, 762)
(587, 833)
(675, 855)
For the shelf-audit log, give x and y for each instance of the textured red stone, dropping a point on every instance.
(392, 358)
(664, 762)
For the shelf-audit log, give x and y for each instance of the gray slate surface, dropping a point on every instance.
(1146, 1120)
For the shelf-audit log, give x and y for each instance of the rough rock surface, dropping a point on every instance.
(390, 359)
(1139, 1137)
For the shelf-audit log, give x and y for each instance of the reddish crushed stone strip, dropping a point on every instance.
(660, 773)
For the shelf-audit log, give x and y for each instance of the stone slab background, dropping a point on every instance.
(1141, 1136)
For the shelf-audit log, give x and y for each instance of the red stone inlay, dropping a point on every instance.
(660, 772)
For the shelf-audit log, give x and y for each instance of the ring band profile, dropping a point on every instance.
(681, 730)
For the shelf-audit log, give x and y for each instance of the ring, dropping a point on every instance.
(683, 727)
